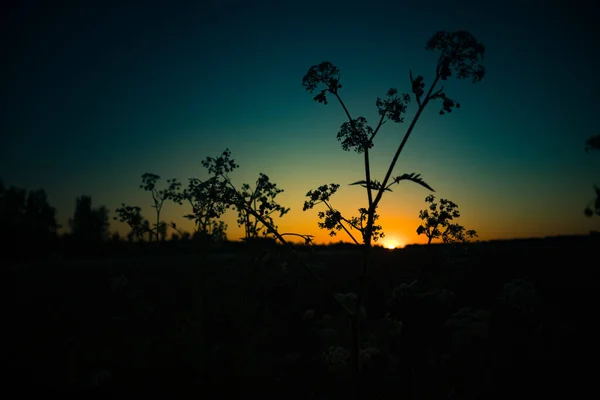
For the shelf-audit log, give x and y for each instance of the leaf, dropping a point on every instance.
(414, 178)
(375, 185)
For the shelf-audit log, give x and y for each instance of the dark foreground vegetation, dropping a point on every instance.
(485, 320)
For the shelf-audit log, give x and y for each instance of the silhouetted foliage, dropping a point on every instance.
(262, 200)
(89, 224)
(132, 216)
(180, 235)
(207, 206)
(437, 222)
(159, 196)
(216, 233)
(308, 239)
(255, 207)
(219, 231)
(333, 220)
(460, 55)
(460, 52)
(26, 217)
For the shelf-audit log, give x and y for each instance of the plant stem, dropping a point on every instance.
(297, 258)
(355, 319)
(342, 225)
(399, 150)
(366, 151)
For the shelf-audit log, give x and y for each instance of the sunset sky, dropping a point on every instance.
(95, 96)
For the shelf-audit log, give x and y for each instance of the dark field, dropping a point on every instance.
(502, 319)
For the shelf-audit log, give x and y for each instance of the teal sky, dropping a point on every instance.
(95, 96)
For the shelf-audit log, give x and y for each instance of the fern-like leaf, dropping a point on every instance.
(375, 185)
(416, 178)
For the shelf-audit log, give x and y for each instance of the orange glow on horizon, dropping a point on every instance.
(392, 242)
(398, 219)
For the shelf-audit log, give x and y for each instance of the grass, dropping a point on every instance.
(188, 324)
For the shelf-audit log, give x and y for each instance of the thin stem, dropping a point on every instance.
(342, 225)
(381, 122)
(305, 237)
(406, 136)
(366, 151)
(367, 234)
(297, 257)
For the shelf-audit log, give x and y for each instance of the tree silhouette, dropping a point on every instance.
(437, 222)
(89, 224)
(460, 56)
(25, 216)
(28, 224)
(593, 143)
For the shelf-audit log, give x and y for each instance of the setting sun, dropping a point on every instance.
(392, 243)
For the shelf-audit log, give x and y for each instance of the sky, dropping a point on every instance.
(96, 95)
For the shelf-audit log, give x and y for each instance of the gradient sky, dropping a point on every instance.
(95, 96)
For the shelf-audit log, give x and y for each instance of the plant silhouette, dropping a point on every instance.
(132, 216)
(437, 222)
(207, 206)
(255, 207)
(159, 196)
(261, 198)
(460, 56)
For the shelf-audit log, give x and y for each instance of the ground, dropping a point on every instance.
(438, 321)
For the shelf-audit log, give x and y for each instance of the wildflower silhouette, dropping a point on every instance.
(437, 222)
(460, 56)
(159, 196)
